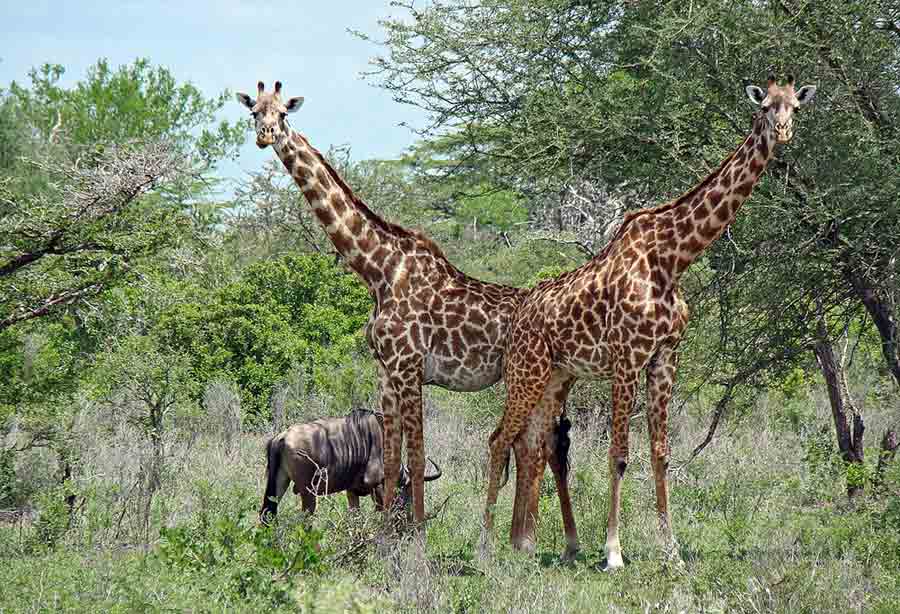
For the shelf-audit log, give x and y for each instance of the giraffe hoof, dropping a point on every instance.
(613, 562)
(526, 545)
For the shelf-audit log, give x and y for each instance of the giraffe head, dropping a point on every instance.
(269, 113)
(780, 103)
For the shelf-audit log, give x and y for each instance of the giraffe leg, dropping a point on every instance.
(525, 509)
(543, 438)
(558, 464)
(526, 377)
(413, 432)
(660, 379)
(392, 440)
(623, 393)
(520, 505)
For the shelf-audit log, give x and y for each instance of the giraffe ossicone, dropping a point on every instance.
(619, 315)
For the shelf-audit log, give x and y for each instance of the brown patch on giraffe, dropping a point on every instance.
(745, 188)
(456, 342)
(326, 218)
(725, 180)
(692, 244)
(708, 231)
(756, 167)
(703, 211)
(379, 256)
(477, 318)
(470, 334)
(366, 241)
(724, 212)
(324, 178)
(313, 195)
(439, 340)
(339, 204)
(763, 148)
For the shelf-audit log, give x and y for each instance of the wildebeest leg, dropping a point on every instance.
(309, 502)
(352, 501)
(378, 497)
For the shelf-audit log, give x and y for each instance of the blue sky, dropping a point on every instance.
(228, 44)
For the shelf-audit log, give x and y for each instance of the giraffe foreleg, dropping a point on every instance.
(660, 380)
(520, 503)
(413, 432)
(392, 440)
(623, 393)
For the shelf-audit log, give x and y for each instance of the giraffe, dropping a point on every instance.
(431, 325)
(622, 313)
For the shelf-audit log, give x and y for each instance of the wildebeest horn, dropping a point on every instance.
(433, 476)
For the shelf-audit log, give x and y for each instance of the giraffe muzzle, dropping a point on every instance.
(783, 134)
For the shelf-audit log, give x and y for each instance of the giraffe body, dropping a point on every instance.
(431, 325)
(619, 315)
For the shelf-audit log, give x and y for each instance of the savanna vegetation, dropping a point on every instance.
(154, 334)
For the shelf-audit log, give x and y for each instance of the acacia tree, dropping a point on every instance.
(642, 99)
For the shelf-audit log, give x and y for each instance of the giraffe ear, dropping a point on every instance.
(755, 94)
(805, 94)
(245, 100)
(294, 103)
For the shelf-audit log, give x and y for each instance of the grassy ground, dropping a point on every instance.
(761, 518)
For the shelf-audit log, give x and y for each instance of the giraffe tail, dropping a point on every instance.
(563, 442)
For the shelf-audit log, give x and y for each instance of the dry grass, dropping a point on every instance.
(761, 527)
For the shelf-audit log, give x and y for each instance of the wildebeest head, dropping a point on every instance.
(404, 484)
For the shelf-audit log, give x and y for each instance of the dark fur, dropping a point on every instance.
(562, 445)
(273, 458)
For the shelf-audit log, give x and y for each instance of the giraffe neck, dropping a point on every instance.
(361, 237)
(702, 215)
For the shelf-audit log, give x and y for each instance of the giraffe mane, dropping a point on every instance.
(380, 223)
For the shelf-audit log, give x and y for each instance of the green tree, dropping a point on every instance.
(643, 99)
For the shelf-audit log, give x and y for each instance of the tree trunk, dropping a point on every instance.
(849, 432)
(881, 314)
(886, 456)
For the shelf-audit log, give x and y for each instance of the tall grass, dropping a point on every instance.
(761, 518)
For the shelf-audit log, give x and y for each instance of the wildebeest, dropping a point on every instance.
(330, 455)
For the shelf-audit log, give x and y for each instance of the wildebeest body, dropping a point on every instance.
(327, 456)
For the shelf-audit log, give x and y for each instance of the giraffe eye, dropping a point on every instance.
(283, 115)
(253, 114)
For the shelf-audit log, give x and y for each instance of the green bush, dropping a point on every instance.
(256, 561)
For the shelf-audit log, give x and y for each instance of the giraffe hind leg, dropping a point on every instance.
(660, 379)
(526, 377)
(624, 389)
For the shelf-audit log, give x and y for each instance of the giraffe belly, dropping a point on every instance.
(477, 372)
(591, 362)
